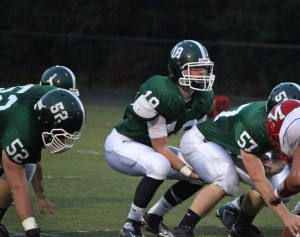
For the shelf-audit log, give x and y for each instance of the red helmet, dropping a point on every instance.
(274, 122)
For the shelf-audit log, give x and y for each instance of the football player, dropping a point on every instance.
(283, 126)
(229, 212)
(224, 150)
(33, 117)
(164, 106)
(61, 77)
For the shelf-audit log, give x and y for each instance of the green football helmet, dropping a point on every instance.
(188, 54)
(281, 92)
(61, 118)
(60, 76)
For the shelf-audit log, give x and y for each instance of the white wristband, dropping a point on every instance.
(29, 223)
(185, 170)
(276, 193)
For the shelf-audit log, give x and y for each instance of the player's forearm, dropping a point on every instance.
(37, 182)
(175, 162)
(160, 146)
(38, 188)
(264, 187)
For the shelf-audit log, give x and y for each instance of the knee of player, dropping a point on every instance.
(229, 183)
(160, 170)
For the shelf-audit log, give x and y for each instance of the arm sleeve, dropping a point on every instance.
(157, 127)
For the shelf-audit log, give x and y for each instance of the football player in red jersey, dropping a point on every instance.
(283, 126)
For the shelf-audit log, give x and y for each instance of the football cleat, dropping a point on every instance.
(245, 231)
(131, 228)
(183, 231)
(3, 231)
(153, 223)
(227, 214)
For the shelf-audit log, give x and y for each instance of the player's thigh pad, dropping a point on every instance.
(213, 164)
(133, 158)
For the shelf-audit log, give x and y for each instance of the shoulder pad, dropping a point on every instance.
(143, 108)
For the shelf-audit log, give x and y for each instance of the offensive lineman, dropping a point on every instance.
(229, 212)
(33, 117)
(164, 106)
(61, 77)
(241, 132)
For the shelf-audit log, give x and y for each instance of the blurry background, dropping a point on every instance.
(114, 44)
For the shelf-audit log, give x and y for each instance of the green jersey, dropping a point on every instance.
(20, 137)
(242, 127)
(165, 95)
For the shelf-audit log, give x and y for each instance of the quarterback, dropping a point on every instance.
(33, 117)
(164, 106)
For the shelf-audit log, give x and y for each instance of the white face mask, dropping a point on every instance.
(58, 140)
(198, 82)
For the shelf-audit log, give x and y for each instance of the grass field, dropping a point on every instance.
(93, 200)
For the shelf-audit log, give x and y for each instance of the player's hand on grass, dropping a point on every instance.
(46, 207)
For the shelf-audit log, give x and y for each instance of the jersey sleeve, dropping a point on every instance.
(163, 96)
(157, 128)
(20, 150)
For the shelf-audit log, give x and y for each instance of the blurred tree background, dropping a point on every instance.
(119, 44)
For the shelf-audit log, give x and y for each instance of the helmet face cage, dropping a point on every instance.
(202, 83)
(282, 92)
(58, 140)
(187, 55)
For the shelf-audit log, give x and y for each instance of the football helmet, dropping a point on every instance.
(190, 54)
(281, 92)
(60, 76)
(61, 118)
(274, 122)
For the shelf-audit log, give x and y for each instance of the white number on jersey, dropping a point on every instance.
(244, 139)
(12, 151)
(12, 98)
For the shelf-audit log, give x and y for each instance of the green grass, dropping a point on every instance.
(93, 200)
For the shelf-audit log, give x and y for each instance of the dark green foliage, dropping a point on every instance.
(254, 44)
